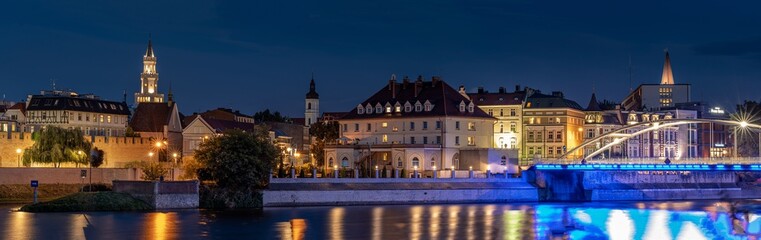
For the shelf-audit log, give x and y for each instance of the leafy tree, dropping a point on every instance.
(237, 160)
(267, 116)
(130, 132)
(152, 171)
(190, 168)
(96, 157)
(323, 132)
(54, 145)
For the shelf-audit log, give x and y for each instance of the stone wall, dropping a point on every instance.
(118, 150)
(64, 175)
(364, 191)
(162, 195)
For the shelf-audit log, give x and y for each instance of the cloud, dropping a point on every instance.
(742, 48)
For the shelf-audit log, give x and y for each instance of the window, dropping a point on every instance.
(418, 107)
(433, 162)
(79, 117)
(345, 162)
(559, 136)
(309, 105)
(398, 108)
(438, 125)
(530, 136)
(384, 124)
(549, 135)
(346, 127)
(101, 118)
(356, 127)
(369, 109)
(471, 126)
(412, 140)
(501, 112)
(369, 127)
(394, 129)
(471, 107)
(399, 162)
(428, 106)
(385, 138)
(512, 127)
(471, 141)
(559, 150)
(457, 125)
(531, 151)
(512, 112)
(457, 140)
(501, 128)
(378, 108)
(425, 140)
(412, 126)
(425, 125)
(388, 109)
(330, 162)
(438, 139)
(415, 162)
(360, 109)
(462, 106)
(491, 112)
(108, 119)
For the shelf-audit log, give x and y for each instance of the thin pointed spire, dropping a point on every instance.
(593, 104)
(149, 51)
(668, 76)
(312, 94)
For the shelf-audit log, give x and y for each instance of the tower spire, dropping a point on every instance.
(668, 76)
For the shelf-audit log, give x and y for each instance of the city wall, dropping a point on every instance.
(162, 195)
(118, 150)
(65, 175)
(368, 191)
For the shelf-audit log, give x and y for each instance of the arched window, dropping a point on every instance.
(345, 162)
(309, 105)
(415, 162)
(513, 141)
(399, 162)
(330, 162)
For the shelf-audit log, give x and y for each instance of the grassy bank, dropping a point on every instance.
(23, 193)
(95, 201)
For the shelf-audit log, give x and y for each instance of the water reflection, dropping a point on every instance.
(692, 220)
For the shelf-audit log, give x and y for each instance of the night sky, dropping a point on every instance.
(255, 55)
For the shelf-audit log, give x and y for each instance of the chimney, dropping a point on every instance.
(517, 88)
(480, 90)
(392, 87)
(418, 85)
(557, 94)
(463, 93)
(435, 80)
(405, 81)
(501, 89)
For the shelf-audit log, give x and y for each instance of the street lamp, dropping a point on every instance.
(18, 152)
(174, 157)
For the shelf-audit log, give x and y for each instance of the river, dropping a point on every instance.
(648, 220)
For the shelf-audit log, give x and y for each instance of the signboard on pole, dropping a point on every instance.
(35, 183)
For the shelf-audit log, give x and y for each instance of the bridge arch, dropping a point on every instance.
(654, 125)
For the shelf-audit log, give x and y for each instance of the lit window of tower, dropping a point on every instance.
(149, 79)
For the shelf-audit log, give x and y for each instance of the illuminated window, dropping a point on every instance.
(385, 138)
(108, 119)
(384, 124)
(471, 126)
(415, 162)
(471, 141)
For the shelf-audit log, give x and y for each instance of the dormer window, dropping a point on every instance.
(407, 107)
(471, 107)
(427, 106)
(360, 109)
(418, 107)
(388, 108)
(369, 109)
(398, 107)
(378, 108)
(462, 106)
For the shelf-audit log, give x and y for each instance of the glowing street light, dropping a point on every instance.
(18, 152)
(743, 124)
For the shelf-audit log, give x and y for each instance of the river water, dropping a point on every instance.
(648, 220)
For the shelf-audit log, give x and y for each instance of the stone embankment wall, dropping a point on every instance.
(162, 195)
(368, 191)
(639, 185)
(118, 150)
(65, 175)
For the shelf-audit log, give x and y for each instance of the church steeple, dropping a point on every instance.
(312, 94)
(668, 77)
(312, 105)
(149, 79)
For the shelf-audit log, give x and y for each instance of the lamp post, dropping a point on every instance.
(18, 152)
(174, 157)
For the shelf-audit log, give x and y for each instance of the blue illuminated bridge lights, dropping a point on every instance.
(651, 167)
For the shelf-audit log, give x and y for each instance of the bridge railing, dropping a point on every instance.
(738, 160)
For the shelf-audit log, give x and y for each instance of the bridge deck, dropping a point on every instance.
(650, 167)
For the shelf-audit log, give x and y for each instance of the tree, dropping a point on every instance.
(96, 157)
(267, 116)
(54, 145)
(153, 171)
(323, 132)
(237, 160)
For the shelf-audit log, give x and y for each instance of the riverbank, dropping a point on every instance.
(23, 193)
(90, 201)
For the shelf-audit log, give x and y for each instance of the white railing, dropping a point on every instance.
(730, 160)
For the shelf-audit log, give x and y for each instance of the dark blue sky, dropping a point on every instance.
(256, 55)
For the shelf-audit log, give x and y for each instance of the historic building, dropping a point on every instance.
(66, 109)
(415, 125)
(650, 97)
(552, 125)
(507, 107)
(13, 118)
(599, 121)
(160, 122)
(312, 105)
(149, 80)
(201, 127)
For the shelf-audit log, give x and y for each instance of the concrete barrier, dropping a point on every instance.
(368, 191)
(65, 175)
(162, 195)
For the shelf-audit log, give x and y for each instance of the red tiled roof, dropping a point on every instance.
(19, 106)
(445, 100)
(222, 125)
(151, 117)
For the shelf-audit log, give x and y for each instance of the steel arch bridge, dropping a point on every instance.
(619, 135)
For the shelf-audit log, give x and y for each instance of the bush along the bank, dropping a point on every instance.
(234, 167)
(90, 201)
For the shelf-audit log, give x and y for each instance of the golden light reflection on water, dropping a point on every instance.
(471, 224)
(415, 223)
(452, 212)
(435, 225)
(20, 223)
(336, 217)
(489, 220)
(377, 223)
(161, 226)
(298, 228)
(513, 224)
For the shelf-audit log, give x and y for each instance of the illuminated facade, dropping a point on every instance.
(149, 80)
(507, 107)
(88, 113)
(552, 125)
(652, 97)
(312, 105)
(415, 125)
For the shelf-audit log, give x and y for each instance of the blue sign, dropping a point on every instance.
(35, 183)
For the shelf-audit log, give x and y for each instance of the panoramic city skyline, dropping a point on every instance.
(242, 56)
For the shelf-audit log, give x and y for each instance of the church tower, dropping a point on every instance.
(149, 79)
(667, 78)
(312, 105)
